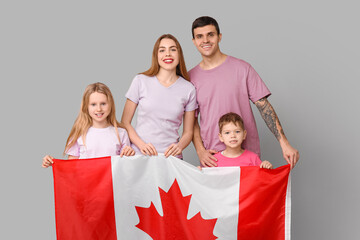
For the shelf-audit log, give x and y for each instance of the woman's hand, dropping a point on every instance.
(127, 151)
(173, 150)
(47, 161)
(148, 149)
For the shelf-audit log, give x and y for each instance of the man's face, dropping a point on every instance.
(206, 39)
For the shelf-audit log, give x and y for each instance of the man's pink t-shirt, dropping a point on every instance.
(247, 158)
(160, 109)
(100, 142)
(223, 89)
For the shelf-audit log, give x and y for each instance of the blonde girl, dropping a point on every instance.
(164, 98)
(96, 132)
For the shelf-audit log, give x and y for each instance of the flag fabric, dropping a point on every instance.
(160, 198)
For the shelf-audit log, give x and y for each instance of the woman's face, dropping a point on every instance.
(168, 54)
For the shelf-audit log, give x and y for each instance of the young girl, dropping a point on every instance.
(96, 132)
(164, 98)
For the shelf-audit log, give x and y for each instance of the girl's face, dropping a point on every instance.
(168, 55)
(99, 109)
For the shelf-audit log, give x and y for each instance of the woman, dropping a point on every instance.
(164, 98)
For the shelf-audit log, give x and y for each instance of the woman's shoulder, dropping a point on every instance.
(186, 83)
(142, 77)
(142, 80)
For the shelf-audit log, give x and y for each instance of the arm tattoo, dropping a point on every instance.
(268, 114)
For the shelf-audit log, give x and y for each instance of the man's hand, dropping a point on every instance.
(207, 158)
(290, 154)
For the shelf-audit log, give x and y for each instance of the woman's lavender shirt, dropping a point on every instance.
(160, 109)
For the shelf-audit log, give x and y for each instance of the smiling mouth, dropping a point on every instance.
(206, 46)
(168, 61)
(99, 114)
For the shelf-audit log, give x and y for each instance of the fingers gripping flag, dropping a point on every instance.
(162, 198)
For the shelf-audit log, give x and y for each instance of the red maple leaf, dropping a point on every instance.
(174, 224)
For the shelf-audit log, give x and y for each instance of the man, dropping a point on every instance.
(225, 84)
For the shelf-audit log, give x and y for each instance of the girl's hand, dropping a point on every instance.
(47, 161)
(266, 164)
(173, 150)
(148, 149)
(127, 151)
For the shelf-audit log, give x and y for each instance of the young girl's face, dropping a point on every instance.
(99, 109)
(232, 135)
(168, 55)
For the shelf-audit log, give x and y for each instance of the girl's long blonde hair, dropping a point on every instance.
(83, 121)
(155, 67)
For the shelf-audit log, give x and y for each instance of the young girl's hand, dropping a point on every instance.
(47, 161)
(127, 151)
(266, 164)
(173, 150)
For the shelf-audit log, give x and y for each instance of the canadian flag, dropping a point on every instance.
(162, 198)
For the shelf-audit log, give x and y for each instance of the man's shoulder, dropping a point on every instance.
(193, 74)
(231, 64)
(194, 69)
(237, 61)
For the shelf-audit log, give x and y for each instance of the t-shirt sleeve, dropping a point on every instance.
(133, 93)
(256, 87)
(191, 104)
(74, 150)
(124, 137)
(257, 161)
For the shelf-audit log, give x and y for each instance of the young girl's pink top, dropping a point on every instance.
(160, 109)
(100, 142)
(247, 158)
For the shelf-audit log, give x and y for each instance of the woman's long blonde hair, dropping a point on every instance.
(83, 121)
(155, 67)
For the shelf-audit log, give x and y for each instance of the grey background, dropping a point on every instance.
(307, 52)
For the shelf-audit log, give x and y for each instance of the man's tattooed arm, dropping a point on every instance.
(290, 154)
(272, 121)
